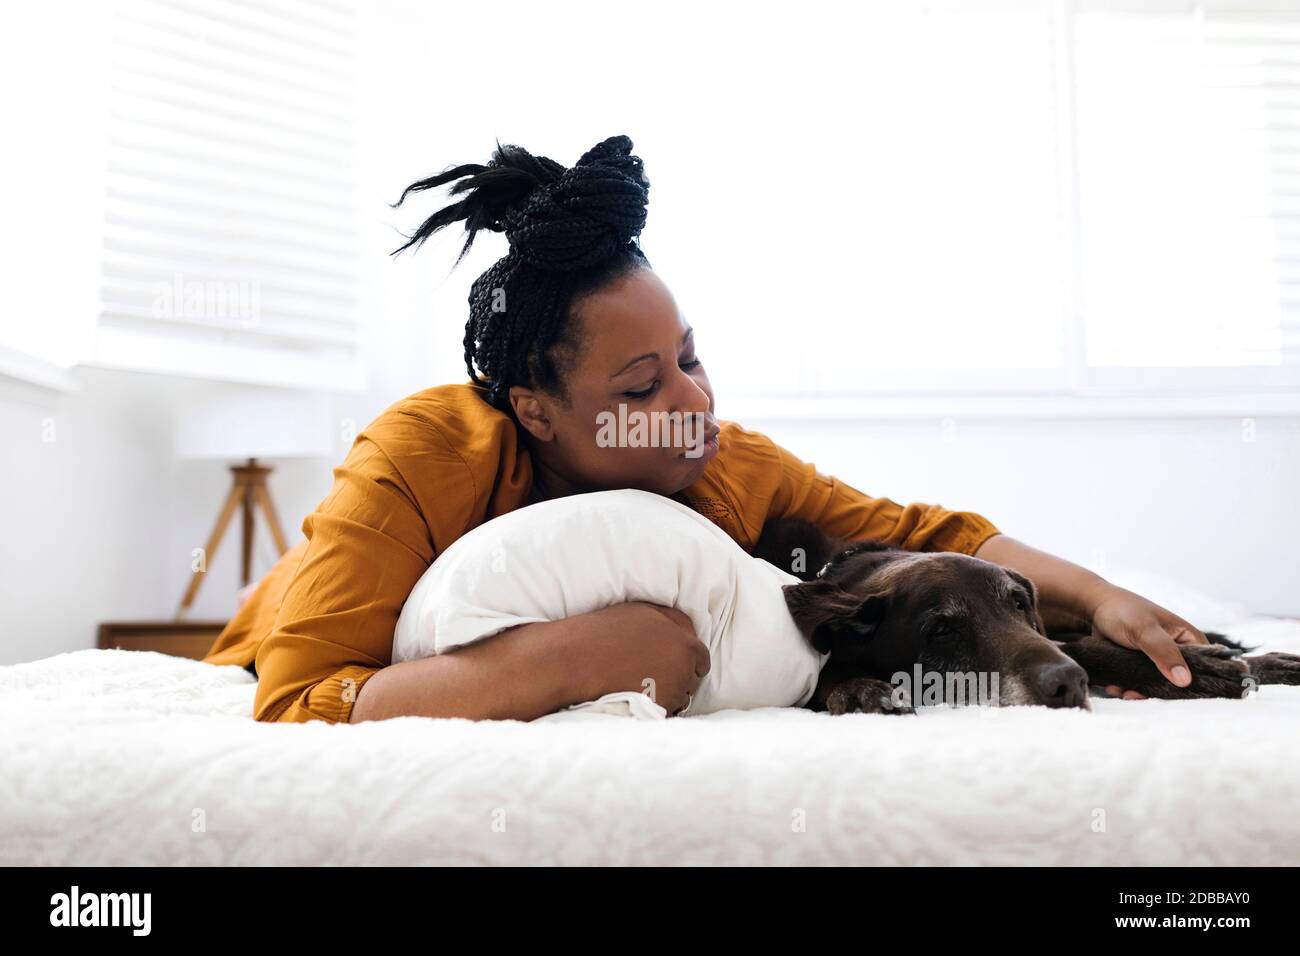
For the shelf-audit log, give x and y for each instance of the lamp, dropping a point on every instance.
(245, 426)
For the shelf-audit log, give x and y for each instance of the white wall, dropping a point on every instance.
(83, 512)
(97, 520)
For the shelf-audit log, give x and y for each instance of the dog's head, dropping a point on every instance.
(885, 611)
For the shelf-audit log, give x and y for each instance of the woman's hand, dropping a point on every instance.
(635, 646)
(1070, 597)
(1132, 621)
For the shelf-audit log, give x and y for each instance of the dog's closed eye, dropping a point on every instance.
(940, 628)
(942, 624)
(1026, 593)
(1025, 597)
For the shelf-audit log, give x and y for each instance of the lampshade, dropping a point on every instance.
(236, 423)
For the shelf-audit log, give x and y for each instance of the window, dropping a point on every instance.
(226, 206)
(1038, 197)
(1188, 119)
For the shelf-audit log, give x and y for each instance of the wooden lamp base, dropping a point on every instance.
(248, 492)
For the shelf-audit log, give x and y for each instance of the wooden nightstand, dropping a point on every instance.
(178, 638)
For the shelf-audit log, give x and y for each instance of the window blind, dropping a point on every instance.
(231, 214)
(1188, 119)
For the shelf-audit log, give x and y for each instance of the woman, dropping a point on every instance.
(570, 324)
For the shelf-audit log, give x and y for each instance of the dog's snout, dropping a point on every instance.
(1062, 684)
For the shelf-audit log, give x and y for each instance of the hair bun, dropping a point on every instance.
(584, 215)
(556, 219)
(616, 153)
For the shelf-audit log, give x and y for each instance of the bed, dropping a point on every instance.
(115, 757)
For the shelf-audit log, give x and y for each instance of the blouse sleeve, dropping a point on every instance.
(368, 544)
(843, 511)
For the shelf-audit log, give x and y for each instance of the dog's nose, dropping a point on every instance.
(1062, 684)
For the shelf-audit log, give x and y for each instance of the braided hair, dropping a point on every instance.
(571, 231)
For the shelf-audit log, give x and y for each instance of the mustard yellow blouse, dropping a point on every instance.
(443, 461)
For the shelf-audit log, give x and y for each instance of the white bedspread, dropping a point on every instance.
(119, 757)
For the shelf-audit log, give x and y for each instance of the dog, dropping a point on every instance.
(942, 622)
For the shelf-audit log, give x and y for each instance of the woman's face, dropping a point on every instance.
(637, 364)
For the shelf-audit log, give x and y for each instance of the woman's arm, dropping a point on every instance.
(770, 482)
(368, 543)
(1069, 596)
(535, 669)
(1074, 597)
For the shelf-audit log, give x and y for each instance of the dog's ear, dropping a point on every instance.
(795, 546)
(1028, 585)
(825, 613)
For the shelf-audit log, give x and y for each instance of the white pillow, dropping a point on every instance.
(581, 553)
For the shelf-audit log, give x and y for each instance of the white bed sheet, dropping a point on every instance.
(120, 757)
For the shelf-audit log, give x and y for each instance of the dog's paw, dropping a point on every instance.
(865, 695)
(1274, 668)
(1217, 671)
